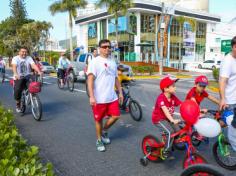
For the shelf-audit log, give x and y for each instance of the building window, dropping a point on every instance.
(200, 45)
(92, 35)
(201, 30)
(103, 29)
(147, 23)
(175, 28)
(92, 30)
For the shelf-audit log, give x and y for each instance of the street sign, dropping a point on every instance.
(226, 46)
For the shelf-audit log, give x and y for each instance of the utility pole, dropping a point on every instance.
(162, 38)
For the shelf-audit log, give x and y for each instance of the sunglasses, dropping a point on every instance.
(105, 47)
(203, 86)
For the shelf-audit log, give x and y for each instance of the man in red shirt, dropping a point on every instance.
(198, 92)
(162, 115)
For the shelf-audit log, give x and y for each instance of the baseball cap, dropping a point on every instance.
(201, 80)
(166, 82)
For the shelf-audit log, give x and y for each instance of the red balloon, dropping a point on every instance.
(190, 111)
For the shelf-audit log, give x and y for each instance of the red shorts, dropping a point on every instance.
(107, 109)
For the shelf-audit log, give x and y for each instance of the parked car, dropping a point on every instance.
(210, 64)
(47, 68)
(79, 66)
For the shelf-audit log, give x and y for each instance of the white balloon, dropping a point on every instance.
(208, 127)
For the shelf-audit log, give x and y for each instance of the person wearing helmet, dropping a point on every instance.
(121, 76)
(198, 93)
(63, 65)
(162, 115)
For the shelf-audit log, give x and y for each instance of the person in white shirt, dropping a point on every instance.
(227, 84)
(102, 78)
(2, 68)
(63, 65)
(21, 66)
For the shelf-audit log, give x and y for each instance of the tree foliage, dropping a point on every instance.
(18, 30)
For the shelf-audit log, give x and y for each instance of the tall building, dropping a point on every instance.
(139, 30)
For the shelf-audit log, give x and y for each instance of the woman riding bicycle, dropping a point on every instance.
(63, 65)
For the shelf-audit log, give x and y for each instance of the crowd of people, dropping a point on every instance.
(104, 84)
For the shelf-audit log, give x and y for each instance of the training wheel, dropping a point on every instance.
(144, 162)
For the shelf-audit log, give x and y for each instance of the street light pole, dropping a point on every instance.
(162, 38)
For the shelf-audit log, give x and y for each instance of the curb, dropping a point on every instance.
(146, 77)
(213, 89)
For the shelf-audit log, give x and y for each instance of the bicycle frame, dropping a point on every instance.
(186, 131)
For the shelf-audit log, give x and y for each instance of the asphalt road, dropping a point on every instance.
(66, 134)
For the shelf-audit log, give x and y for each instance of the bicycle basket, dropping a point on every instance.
(35, 87)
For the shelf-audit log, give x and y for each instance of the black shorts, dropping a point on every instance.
(61, 73)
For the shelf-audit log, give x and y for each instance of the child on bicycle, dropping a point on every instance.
(198, 93)
(162, 115)
(123, 78)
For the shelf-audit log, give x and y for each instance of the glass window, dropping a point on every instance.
(147, 23)
(122, 25)
(103, 29)
(92, 30)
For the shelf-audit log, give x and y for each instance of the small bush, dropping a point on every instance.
(143, 69)
(16, 157)
(215, 73)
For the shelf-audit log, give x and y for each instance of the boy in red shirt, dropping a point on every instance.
(162, 115)
(198, 92)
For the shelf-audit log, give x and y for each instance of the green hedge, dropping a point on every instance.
(215, 73)
(143, 69)
(16, 157)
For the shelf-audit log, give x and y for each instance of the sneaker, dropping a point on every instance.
(100, 146)
(105, 138)
(18, 110)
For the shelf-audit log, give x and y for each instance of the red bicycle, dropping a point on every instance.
(68, 79)
(154, 148)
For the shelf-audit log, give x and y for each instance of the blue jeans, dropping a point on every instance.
(232, 129)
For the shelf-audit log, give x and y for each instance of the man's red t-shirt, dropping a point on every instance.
(198, 97)
(158, 114)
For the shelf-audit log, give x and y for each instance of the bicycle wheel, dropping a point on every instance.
(193, 159)
(152, 153)
(201, 170)
(195, 139)
(135, 110)
(59, 84)
(22, 104)
(225, 156)
(70, 82)
(36, 107)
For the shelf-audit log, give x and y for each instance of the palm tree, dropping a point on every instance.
(69, 6)
(116, 8)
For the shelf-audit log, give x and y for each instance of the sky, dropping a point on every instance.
(38, 10)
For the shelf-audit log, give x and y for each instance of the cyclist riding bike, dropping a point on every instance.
(21, 66)
(63, 65)
(2, 65)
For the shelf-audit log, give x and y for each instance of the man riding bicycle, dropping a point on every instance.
(21, 66)
(63, 65)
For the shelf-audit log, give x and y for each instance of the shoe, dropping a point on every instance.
(100, 146)
(168, 155)
(105, 138)
(18, 110)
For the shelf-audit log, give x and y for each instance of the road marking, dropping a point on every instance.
(142, 105)
(78, 90)
(48, 83)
